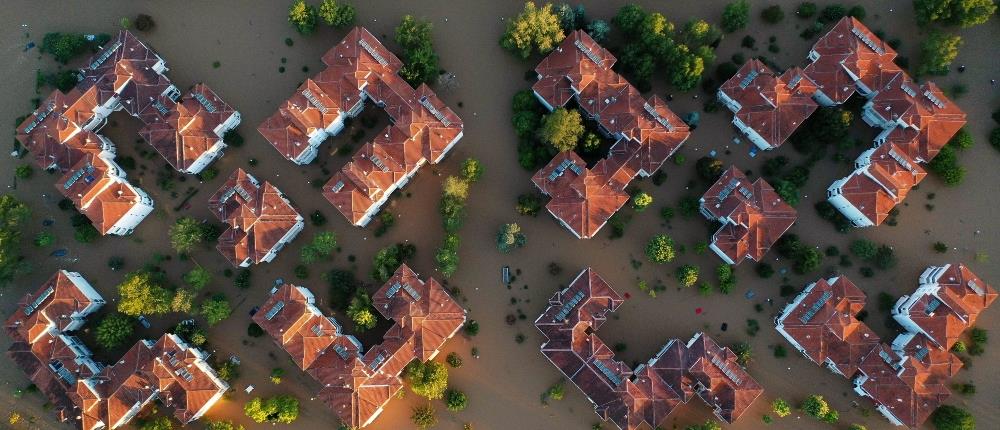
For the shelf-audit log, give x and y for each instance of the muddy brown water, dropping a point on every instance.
(505, 384)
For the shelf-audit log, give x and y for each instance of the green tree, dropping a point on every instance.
(423, 417)
(337, 15)
(186, 233)
(63, 46)
(44, 239)
(781, 408)
(472, 170)
(222, 425)
(510, 237)
(964, 13)
(641, 200)
(114, 330)
(282, 408)
(198, 278)
(534, 28)
(772, 14)
(857, 427)
(562, 129)
(660, 249)
(707, 425)
(816, 407)
(455, 400)
(302, 16)
(322, 246)
(945, 165)
(864, 249)
(598, 30)
(937, 52)
(686, 68)
(182, 300)
(388, 259)
(962, 139)
(735, 16)
(143, 294)
(420, 60)
(216, 309)
(709, 168)
(24, 171)
(948, 417)
(456, 187)
(687, 275)
(360, 311)
(13, 215)
(787, 191)
(806, 10)
(156, 423)
(526, 122)
(428, 379)
(447, 256)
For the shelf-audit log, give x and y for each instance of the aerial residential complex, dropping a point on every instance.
(93, 395)
(916, 120)
(358, 384)
(360, 69)
(753, 216)
(260, 220)
(909, 378)
(647, 395)
(125, 75)
(646, 133)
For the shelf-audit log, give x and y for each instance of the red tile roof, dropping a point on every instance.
(847, 53)
(126, 72)
(648, 394)
(910, 379)
(93, 394)
(753, 215)
(647, 132)
(773, 106)
(359, 67)
(258, 215)
(356, 385)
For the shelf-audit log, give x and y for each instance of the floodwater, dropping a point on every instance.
(505, 384)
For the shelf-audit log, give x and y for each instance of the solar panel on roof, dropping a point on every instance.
(746, 193)
(823, 298)
(733, 183)
(656, 115)
(392, 290)
(314, 101)
(371, 51)
(921, 353)
(88, 168)
(38, 301)
(748, 79)
(937, 102)
(105, 55)
(932, 306)
(568, 306)
(614, 378)
(413, 293)
(378, 163)
(426, 103)
(724, 367)
(160, 107)
(794, 81)
(317, 329)
(867, 41)
(39, 117)
(576, 169)
(337, 187)
(379, 359)
(906, 89)
(590, 54)
(209, 106)
(341, 351)
(975, 287)
(274, 310)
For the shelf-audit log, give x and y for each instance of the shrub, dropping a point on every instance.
(781, 408)
(429, 379)
(24, 171)
(806, 10)
(283, 409)
(114, 330)
(641, 200)
(302, 16)
(660, 249)
(144, 22)
(735, 16)
(864, 249)
(423, 417)
(455, 400)
(687, 275)
(529, 204)
(948, 417)
(454, 360)
(772, 14)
